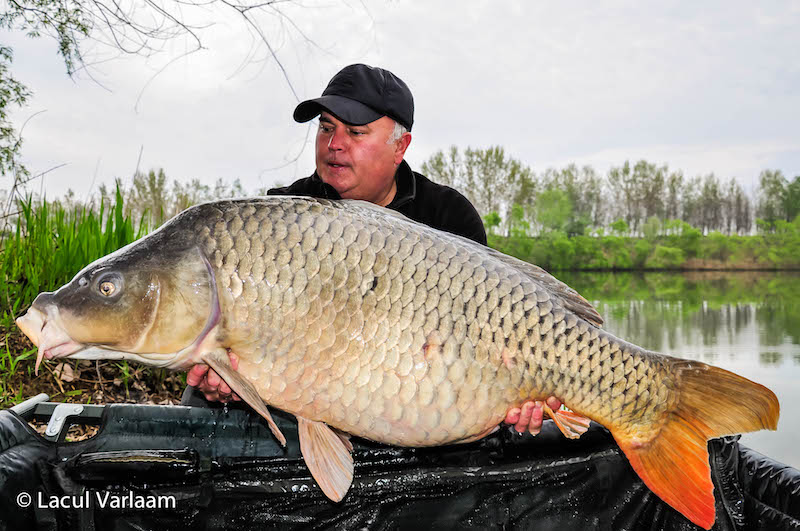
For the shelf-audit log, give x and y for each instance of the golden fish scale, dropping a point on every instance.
(392, 331)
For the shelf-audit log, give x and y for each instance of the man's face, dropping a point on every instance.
(356, 160)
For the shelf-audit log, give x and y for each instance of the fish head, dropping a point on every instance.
(150, 305)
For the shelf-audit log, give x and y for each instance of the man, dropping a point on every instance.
(365, 119)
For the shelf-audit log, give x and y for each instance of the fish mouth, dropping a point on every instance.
(45, 331)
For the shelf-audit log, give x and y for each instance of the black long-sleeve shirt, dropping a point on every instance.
(417, 197)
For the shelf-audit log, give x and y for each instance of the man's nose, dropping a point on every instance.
(337, 140)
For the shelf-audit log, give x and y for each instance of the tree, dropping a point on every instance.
(620, 227)
(489, 178)
(737, 209)
(553, 209)
(771, 196)
(791, 202)
(519, 228)
(710, 204)
(623, 189)
(491, 221)
(640, 190)
(650, 180)
(673, 192)
(149, 194)
(584, 188)
(651, 228)
(692, 203)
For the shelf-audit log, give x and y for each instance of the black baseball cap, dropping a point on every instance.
(360, 94)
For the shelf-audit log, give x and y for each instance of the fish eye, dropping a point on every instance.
(107, 288)
(109, 284)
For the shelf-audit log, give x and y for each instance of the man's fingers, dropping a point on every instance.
(554, 403)
(537, 414)
(209, 382)
(196, 374)
(524, 417)
(512, 417)
(213, 379)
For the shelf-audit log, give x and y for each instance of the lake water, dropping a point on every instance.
(746, 322)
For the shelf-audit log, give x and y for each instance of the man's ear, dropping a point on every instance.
(400, 147)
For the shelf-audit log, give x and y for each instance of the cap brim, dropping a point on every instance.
(347, 110)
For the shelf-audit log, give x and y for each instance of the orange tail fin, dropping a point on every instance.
(674, 462)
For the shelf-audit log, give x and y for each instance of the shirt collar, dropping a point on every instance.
(406, 186)
(404, 177)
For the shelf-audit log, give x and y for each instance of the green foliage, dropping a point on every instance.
(717, 246)
(553, 210)
(491, 221)
(620, 227)
(651, 228)
(12, 93)
(666, 258)
(791, 202)
(556, 250)
(641, 251)
(770, 202)
(584, 187)
(67, 21)
(589, 252)
(617, 252)
(689, 239)
(519, 227)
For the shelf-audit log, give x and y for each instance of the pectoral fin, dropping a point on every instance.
(327, 455)
(571, 424)
(218, 360)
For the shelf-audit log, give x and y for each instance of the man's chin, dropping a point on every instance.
(340, 183)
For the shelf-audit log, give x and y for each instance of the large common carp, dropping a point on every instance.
(352, 317)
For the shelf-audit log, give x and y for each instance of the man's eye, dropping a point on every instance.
(357, 133)
(325, 129)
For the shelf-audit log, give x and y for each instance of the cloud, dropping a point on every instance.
(702, 88)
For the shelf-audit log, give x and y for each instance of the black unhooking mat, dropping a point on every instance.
(214, 469)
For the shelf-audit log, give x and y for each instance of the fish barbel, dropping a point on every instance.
(352, 317)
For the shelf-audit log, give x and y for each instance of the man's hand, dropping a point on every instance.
(530, 416)
(208, 382)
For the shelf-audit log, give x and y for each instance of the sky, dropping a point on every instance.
(702, 87)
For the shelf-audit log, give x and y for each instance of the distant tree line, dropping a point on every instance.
(151, 197)
(633, 198)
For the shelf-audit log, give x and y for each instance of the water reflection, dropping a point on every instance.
(745, 322)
